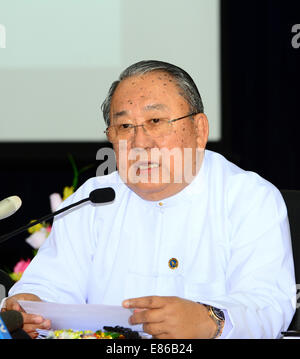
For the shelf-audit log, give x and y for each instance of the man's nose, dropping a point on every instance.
(141, 138)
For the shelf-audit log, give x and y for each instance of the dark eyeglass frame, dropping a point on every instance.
(169, 121)
(181, 118)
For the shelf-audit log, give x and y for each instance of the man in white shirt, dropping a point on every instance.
(197, 246)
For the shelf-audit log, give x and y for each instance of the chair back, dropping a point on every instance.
(292, 200)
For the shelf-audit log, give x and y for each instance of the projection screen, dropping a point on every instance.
(60, 58)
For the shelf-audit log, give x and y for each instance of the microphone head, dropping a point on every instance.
(15, 202)
(12, 319)
(9, 206)
(102, 195)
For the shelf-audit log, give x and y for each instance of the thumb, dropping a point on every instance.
(14, 305)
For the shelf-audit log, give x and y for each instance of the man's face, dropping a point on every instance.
(151, 166)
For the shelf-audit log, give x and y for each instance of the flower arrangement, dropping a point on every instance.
(19, 268)
(40, 232)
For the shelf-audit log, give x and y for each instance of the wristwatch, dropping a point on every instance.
(218, 316)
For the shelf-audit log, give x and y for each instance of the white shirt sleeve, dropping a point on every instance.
(261, 293)
(2, 304)
(227, 326)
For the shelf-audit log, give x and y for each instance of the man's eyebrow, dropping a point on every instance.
(156, 106)
(120, 113)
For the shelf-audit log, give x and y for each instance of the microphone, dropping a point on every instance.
(12, 319)
(13, 323)
(9, 206)
(100, 195)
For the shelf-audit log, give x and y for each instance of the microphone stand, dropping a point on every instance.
(5, 237)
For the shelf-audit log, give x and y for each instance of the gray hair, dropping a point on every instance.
(182, 78)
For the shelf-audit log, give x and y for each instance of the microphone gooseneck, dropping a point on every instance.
(100, 195)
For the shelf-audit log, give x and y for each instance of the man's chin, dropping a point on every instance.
(149, 191)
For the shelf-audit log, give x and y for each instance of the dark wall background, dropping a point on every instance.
(262, 87)
(261, 96)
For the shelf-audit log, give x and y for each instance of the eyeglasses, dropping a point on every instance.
(155, 127)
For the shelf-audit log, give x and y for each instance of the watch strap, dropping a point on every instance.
(218, 316)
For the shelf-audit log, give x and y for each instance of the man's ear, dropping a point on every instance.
(202, 129)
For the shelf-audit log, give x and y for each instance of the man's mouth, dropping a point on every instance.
(148, 166)
(145, 166)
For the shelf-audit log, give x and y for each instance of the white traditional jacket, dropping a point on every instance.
(228, 232)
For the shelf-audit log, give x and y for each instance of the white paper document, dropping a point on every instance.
(81, 316)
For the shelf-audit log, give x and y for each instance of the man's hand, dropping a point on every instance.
(31, 321)
(171, 317)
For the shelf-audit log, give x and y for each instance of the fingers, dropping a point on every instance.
(146, 316)
(157, 330)
(149, 302)
(151, 312)
(152, 320)
(33, 322)
(32, 319)
(143, 302)
(12, 304)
